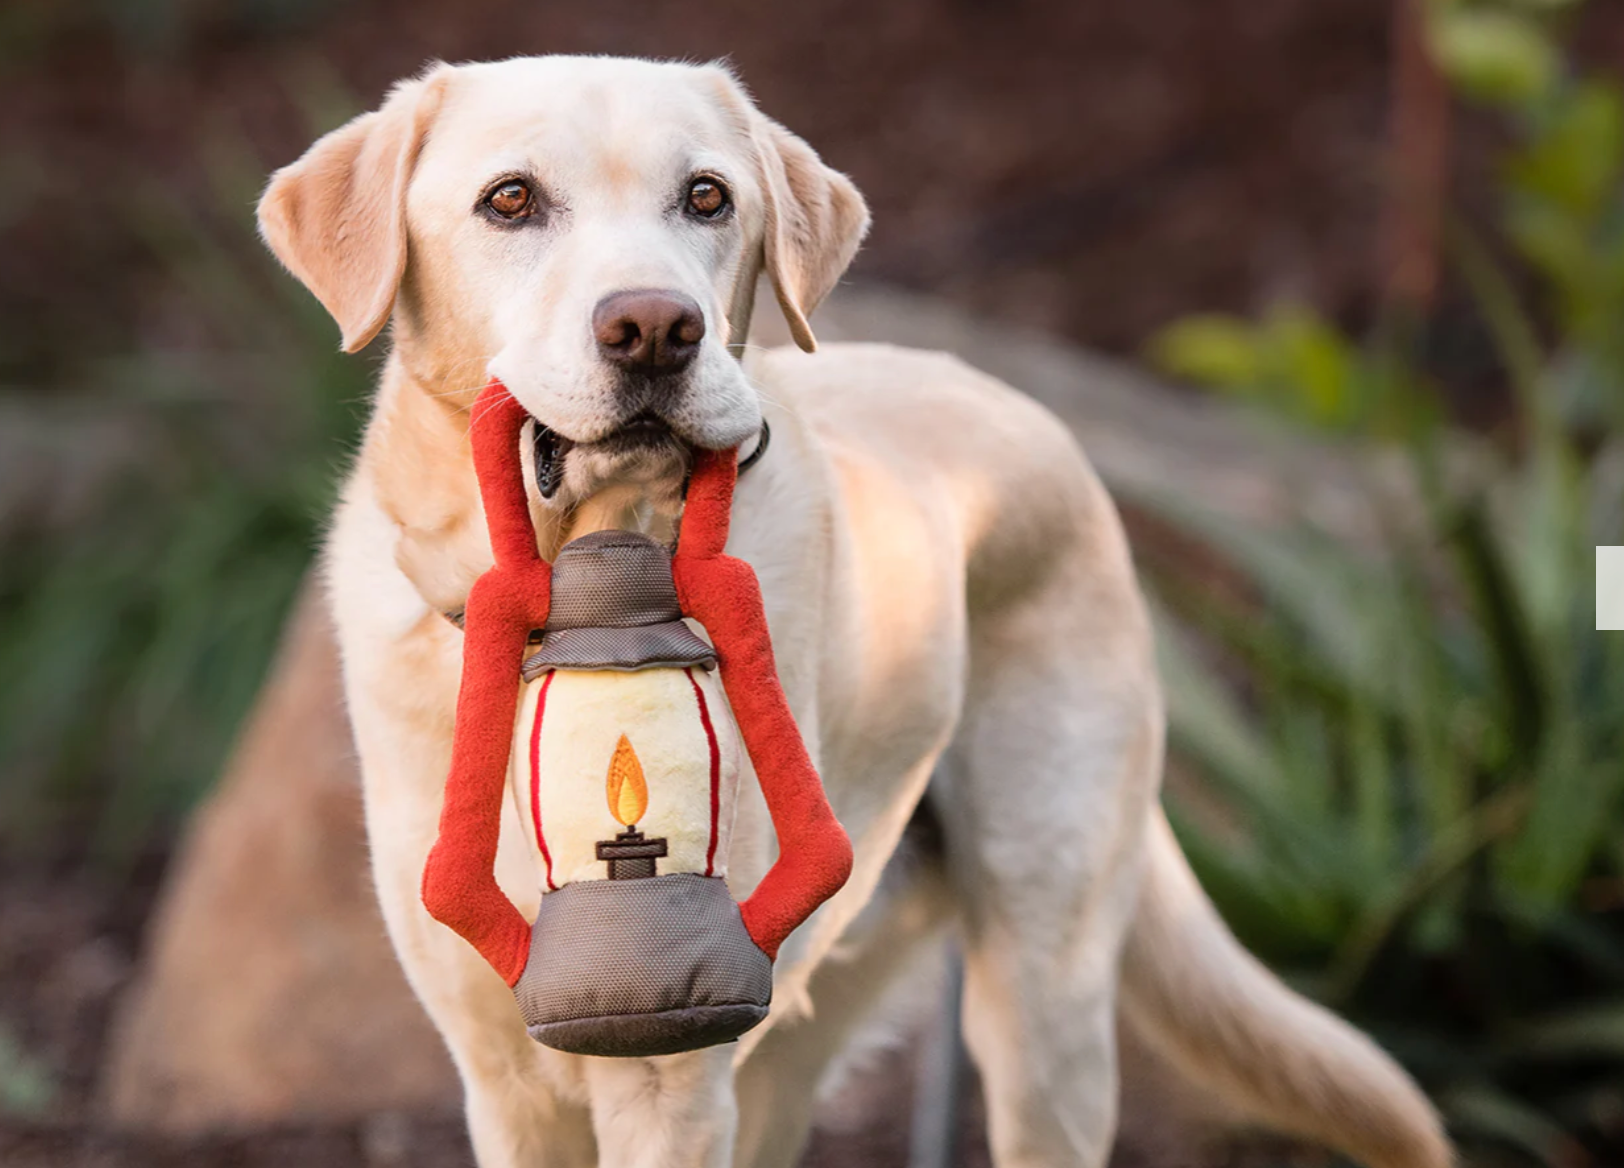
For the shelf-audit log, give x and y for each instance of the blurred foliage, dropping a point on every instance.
(1417, 745)
(1297, 365)
(158, 511)
(155, 28)
(26, 1087)
(1493, 54)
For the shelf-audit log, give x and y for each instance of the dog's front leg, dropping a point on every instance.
(520, 1098)
(525, 1104)
(677, 1111)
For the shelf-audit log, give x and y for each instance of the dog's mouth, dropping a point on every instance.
(550, 447)
(643, 433)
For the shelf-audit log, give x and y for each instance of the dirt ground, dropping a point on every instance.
(68, 944)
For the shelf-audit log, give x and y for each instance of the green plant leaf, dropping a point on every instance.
(1575, 804)
(1212, 350)
(1211, 723)
(1523, 686)
(1317, 369)
(1593, 1029)
(1572, 160)
(1493, 55)
(1483, 1110)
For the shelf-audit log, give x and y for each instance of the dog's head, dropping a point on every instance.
(590, 230)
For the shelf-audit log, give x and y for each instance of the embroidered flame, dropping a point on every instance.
(628, 790)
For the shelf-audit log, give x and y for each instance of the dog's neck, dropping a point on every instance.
(423, 479)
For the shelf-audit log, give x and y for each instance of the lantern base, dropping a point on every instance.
(636, 968)
(647, 1035)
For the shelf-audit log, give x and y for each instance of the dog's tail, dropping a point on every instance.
(1213, 1011)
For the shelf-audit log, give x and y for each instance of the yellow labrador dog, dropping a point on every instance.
(955, 615)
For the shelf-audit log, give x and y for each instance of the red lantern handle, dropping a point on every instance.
(496, 425)
(721, 592)
(505, 604)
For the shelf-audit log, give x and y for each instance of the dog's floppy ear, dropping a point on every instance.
(337, 217)
(815, 220)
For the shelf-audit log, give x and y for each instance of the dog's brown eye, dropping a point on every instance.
(511, 200)
(707, 198)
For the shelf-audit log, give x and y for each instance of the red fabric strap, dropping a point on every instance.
(506, 603)
(722, 594)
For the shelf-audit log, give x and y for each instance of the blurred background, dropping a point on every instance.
(1331, 291)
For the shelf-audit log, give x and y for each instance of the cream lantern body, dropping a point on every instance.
(570, 726)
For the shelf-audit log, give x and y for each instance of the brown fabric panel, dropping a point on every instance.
(665, 646)
(635, 962)
(612, 579)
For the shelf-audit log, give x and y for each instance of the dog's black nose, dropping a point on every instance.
(648, 330)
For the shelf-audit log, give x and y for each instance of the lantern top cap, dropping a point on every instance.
(614, 606)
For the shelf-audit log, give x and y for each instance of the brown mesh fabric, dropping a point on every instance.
(637, 968)
(612, 579)
(614, 606)
(667, 646)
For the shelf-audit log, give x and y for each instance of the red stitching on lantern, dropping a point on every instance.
(535, 779)
(715, 771)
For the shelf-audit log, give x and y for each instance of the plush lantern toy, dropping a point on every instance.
(623, 760)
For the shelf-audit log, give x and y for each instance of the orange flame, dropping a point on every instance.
(628, 790)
